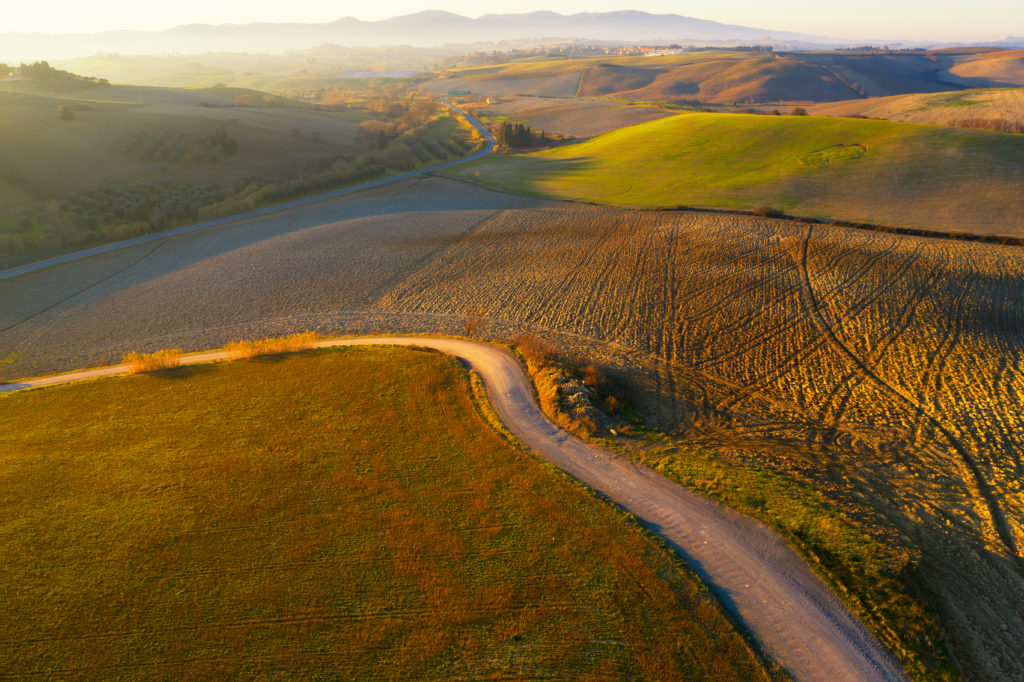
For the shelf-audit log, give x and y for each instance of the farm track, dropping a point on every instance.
(998, 519)
(705, 317)
(788, 609)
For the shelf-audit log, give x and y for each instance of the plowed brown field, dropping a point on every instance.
(888, 368)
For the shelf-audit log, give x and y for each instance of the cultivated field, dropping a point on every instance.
(885, 370)
(944, 108)
(295, 534)
(142, 160)
(899, 174)
(576, 117)
(1003, 68)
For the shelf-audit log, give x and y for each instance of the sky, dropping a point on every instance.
(949, 20)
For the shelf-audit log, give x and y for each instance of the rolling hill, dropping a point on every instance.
(993, 67)
(568, 116)
(900, 174)
(747, 77)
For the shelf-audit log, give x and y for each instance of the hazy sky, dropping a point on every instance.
(910, 19)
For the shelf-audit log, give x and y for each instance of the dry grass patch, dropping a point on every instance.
(238, 350)
(165, 358)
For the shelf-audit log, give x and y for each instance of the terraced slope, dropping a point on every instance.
(899, 174)
(889, 370)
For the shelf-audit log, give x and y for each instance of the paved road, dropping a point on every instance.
(489, 143)
(797, 620)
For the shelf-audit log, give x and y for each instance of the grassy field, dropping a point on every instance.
(995, 67)
(334, 513)
(867, 171)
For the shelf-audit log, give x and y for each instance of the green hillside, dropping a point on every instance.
(882, 172)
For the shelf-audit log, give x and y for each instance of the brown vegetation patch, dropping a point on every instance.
(151, 362)
(271, 345)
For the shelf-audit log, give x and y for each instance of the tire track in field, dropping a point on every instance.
(901, 325)
(998, 520)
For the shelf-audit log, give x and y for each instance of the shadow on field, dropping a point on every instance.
(536, 171)
(182, 372)
(347, 218)
(273, 358)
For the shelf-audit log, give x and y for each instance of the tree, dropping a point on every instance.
(798, 111)
(515, 135)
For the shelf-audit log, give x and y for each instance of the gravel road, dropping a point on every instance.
(793, 615)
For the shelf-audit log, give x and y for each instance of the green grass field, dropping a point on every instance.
(882, 172)
(340, 513)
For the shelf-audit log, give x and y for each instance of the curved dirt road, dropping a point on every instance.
(796, 619)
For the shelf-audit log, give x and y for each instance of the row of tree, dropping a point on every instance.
(518, 135)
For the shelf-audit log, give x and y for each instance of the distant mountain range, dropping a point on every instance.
(423, 29)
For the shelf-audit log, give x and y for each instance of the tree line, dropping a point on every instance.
(519, 135)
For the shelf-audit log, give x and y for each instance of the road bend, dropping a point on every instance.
(791, 613)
